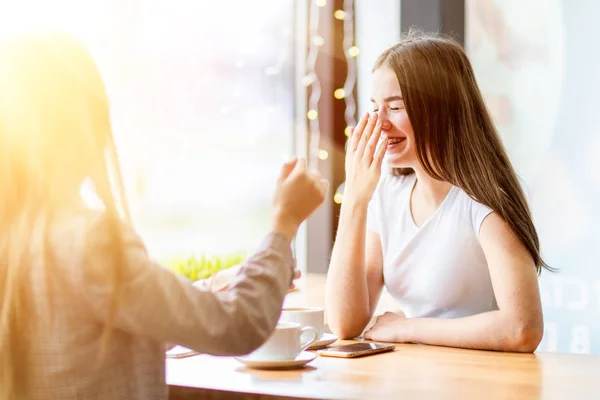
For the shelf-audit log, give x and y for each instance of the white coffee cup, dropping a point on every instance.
(306, 316)
(284, 343)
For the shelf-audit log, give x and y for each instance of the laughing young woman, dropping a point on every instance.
(448, 232)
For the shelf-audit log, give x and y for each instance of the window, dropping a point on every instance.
(207, 101)
(203, 107)
(537, 64)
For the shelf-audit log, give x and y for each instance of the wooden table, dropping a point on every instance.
(410, 372)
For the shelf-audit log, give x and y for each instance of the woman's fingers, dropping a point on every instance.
(324, 186)
(366, 135)
(380, 153)
(371, 146)
(287, 168)
(357, 132)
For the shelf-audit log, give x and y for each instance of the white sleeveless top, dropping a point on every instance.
(437, 270)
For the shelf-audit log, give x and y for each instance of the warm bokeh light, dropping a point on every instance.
(347, 131)
(321, 3)
(312, 115)
(339, 193)
(323, 154)
(338, 197)
(339, 14)
(339, 94)
(353, 51)
(318, 41)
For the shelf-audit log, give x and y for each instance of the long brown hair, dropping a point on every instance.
(456, 140)
(55, 133)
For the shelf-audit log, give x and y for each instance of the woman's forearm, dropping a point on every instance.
(494, 330)
(347, 296)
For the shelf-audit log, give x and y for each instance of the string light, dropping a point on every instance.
(311, 80)
(351, 52)
(349, 84)
(308, 80)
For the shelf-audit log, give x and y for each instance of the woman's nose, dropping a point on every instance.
(385, 124)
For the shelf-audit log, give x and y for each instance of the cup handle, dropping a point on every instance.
(306, 345)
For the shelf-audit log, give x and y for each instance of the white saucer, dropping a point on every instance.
(323, 341)
(303, 359)
(180, 352)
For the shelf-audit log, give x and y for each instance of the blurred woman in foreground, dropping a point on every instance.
(84, 312)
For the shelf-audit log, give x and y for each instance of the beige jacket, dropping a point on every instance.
(156, 308)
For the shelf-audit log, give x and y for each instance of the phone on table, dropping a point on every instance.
(356, 350)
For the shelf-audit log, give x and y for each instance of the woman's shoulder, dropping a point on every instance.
(60, 239)
(75, 233)
(475, 210)
(70, 225)
(468, 201)
(88, 242)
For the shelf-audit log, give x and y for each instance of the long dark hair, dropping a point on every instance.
(456, 140)
(55, 132)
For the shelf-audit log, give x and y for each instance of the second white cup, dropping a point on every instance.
(306, 316)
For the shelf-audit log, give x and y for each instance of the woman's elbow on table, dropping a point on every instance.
(526, 338)
(345, 329)
(348, 335)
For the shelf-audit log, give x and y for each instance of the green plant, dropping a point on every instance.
(200, 267)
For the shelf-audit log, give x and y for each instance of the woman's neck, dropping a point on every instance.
(430, 190)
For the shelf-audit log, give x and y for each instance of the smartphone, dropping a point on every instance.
(180, 352)
(356, 349)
